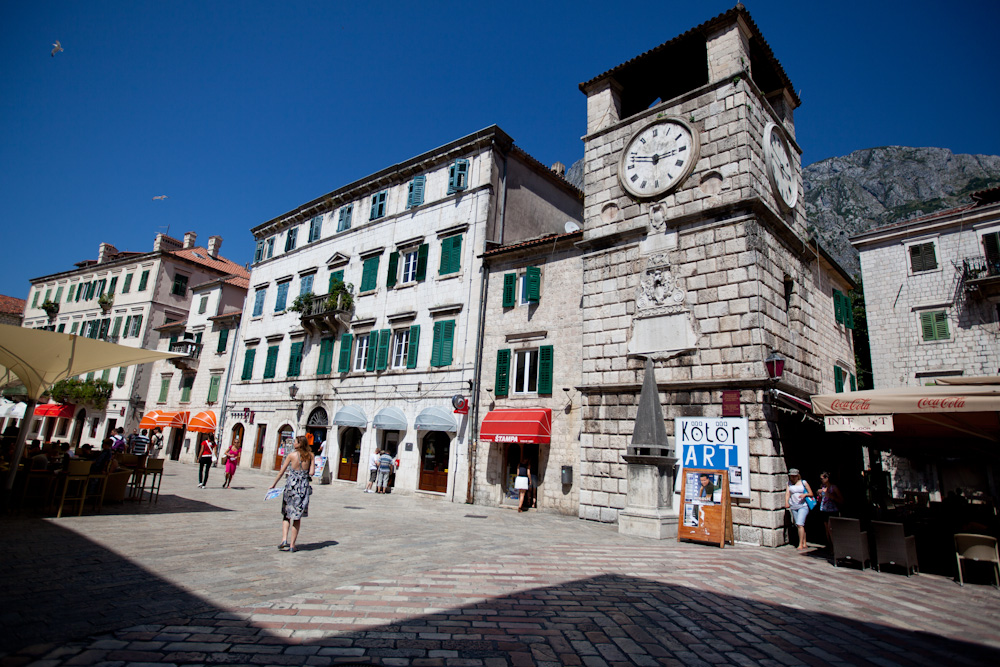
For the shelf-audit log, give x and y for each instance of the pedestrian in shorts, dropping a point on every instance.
(372, 469)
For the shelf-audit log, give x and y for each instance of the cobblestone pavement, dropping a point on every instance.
(416, 580)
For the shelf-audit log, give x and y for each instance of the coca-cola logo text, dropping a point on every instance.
(943, 403)
(856, 404)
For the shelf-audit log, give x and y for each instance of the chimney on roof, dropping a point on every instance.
(105, 252)
(214, 243)
(189, 239)
(164, 243)
(560, 169)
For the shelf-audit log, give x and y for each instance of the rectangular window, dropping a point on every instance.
(325, 366)
(400, 345)
(382, 355)
(73, 327)
(105, 326)
(116, 327)
(409, 266)
(143, 281)
(202, 305)
(525, 371)
(295, 359)
(164, 388)
(509, 290)
(187, 382)
(838, 379)
(120, 381)
(344, 363)
(421, 263)
(258, 302)
(443, 342)
(315, 228)
(854, 382)
(451, 255)
(361, 353)
(393, 270)
(214, 383)
(335, 277)
(281, 301)
(306, 284)
(991, 248)
(503, 371)
(34, 301)
(413, 340)
(112, 285)
(258, 251)
(61, 328)
(344, 218)
(378, 205)
(128, 284)
(843, 309)
(458, 176)
(415, 192)
(922, 257)
(59, 292)
(106, 374)
(223, 341)
(136, 326)
(291, 238)
(248, 363)
(369, 274)
(271, 364)
(269, 248)
(934, 325)
(71, 294)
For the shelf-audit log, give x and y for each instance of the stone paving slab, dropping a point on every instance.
(413, 580)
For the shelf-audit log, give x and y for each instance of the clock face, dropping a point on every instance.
(779, 166)
(658, 158)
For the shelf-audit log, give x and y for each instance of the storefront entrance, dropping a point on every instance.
(512, 460)
(258, 445)
(390, 444)
(350, 454)
(434, 451)
(236, 440)
(316, 426)
(286, 444)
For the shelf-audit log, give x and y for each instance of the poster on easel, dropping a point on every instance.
(706, 512)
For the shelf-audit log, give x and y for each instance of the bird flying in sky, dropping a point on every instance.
(159, 197)
(56, 48)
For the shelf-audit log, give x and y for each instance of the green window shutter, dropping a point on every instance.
(369, 274)
(916, 259)
(325, 365)
(116, 327)
(458, 176)
(128, 284)
(415, 194)
(927, 329)
(838, 379)
(187, 381)
(930, 258)
(271, 364)
(436, 345)
(941, 325)
(503, 372)
(106, 374)
(414, 344)
(335, 277)
(991, 246)
(509, 290)
(164, 389)
(390, 276)
(213, 388)
(295, 359)
(248, 363)
(223, 341)
(136, 325)
(143, 279)
(422, 262)
(382, 361)
(444, 339)
(282, 298)
(59, 292)
(546, 353)
(121, 376)
(113, 285)
(533, 275)
(837, 306)
(854, 382)
(344, 364)
(451, 255)
(372, 346)
(71, 293)
(128, 321)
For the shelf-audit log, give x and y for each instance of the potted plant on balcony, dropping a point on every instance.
(51, 308)
(105, 301)
(341, 296)
(302, 303)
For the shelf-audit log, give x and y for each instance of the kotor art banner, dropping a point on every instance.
(716, 444)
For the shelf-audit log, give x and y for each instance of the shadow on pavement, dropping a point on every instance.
(58, 588)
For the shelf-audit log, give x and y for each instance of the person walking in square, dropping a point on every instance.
(372, 469)
(796, 494)
(300, 466)
(522, 483)
(384, 471)
(232, 461)
(206, 457)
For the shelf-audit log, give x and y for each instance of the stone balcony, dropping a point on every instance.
(326, 312)
(191, 350)
(981, 276)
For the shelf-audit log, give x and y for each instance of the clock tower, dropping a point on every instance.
(698, 258)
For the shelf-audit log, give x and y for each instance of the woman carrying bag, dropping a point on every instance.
(206, 457)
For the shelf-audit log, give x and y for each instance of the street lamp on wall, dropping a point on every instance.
(293, 391)
(775, 364)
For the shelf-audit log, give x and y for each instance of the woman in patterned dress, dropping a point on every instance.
(300, 465)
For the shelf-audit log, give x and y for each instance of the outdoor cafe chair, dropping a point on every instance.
(96, 485)
(74, 485)
(37, 487)
(154, 471)
(983, 548)
(849, 541)
(894, 547)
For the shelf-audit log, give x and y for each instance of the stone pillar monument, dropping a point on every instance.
(649, 504)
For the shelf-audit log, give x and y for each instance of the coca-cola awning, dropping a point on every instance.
(911, 400)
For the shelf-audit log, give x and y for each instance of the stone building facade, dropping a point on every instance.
(121, 297)
(362, 325)
(932, 294)
(702, 264)
(529, 405)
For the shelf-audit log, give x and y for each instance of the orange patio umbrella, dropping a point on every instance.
(203, 422)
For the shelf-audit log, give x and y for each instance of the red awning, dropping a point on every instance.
(529, 425)
(56, 410)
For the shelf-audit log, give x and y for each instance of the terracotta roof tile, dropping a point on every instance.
(550, 238)
(200, 256)
(12, 305)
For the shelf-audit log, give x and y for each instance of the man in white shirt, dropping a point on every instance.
(372, 469)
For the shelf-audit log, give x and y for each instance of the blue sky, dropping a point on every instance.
(240, 111)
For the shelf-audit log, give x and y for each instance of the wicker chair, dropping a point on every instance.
(983, 548)
(892, 546)
(74, 485)
(849, 541)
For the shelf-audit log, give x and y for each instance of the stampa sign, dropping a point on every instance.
(716, 444)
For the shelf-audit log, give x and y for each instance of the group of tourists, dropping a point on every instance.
(208, 457)
(800, 500)
(381, 470)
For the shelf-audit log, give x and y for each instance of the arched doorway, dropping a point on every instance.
(350, 454)
(236, 439)
(286, 443)
(316, 426)
(434, 451)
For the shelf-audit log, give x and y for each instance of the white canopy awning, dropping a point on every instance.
(390, 419)
(351, 415)
(11, 409)
(436, 418)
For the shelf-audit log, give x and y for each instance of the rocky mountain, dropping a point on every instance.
(869, 188)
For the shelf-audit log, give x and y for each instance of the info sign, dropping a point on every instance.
(716, 444)
(864, 423)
